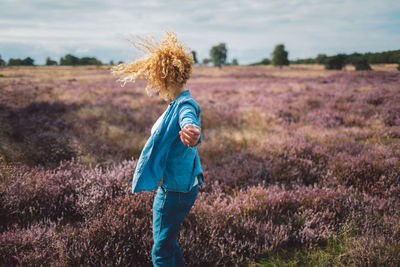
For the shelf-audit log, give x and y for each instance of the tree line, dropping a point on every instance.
(67, 60)
(218, 57)
(17, 62)
(335, 62)
(387, 57)
(279, 57)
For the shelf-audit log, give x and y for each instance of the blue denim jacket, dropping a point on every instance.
(165, 155)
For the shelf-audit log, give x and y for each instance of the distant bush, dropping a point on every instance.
(398, 66)
(383, 57)
(264, 61)
(14, 62)
(206, 61)
(21, 62)
(73, 60)
(50, 62)
(372, 58)
(303, 61)
(89, 61)
(362, 64)
(335, 62)
(2, 62)
(69, 60)
(320, 59)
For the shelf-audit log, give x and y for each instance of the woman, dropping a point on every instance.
(169, 157)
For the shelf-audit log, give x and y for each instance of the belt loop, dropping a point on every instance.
(163, 189)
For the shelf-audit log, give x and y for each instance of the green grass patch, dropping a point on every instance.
(333, 253)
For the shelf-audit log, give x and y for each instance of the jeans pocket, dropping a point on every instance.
(188, 199)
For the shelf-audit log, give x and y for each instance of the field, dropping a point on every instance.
(301, 166)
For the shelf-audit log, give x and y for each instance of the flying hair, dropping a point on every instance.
(166, 65)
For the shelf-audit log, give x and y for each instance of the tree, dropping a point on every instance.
(27, 61)
(14, 62)
(362, 64)
(50, 62)
(384, 57)
(111, 62)
(398, 66)
(265, 61)
(303, 61)
(353, 58)
(235, 62)
(89, 61)
(335, 62)
(73, 60)
(194, 57)
(280, 56)
(20, 62)
(69, 60)
(206, 61)
(320, 59)
(2, 62)
(218, 54)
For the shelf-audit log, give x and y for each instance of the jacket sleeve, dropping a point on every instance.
(189, 115)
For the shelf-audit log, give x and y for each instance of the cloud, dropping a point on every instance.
(250, 29)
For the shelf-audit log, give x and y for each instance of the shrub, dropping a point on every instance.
(120, 235)
(372, 170)
(69, 193)
(35, 195)
(362, 64)
(265, 61)
(325, 118)
(39, 130)
(227, 230)
(35, 246)
(335, 62)
(298, 162)
(220, 230)
(237, 170)
(50, 62)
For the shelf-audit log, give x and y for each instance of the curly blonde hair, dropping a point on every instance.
(166, 65)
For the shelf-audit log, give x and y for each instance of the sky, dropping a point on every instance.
(250, 29)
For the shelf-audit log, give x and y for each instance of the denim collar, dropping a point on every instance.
(183, 93)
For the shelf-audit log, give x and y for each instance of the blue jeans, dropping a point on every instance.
(169, 210)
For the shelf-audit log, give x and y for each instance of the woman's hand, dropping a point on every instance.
(190, 135)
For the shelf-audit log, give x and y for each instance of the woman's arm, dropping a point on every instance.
(189, 121)
(190, 135)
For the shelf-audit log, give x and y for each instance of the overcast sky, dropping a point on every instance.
(250, 29)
